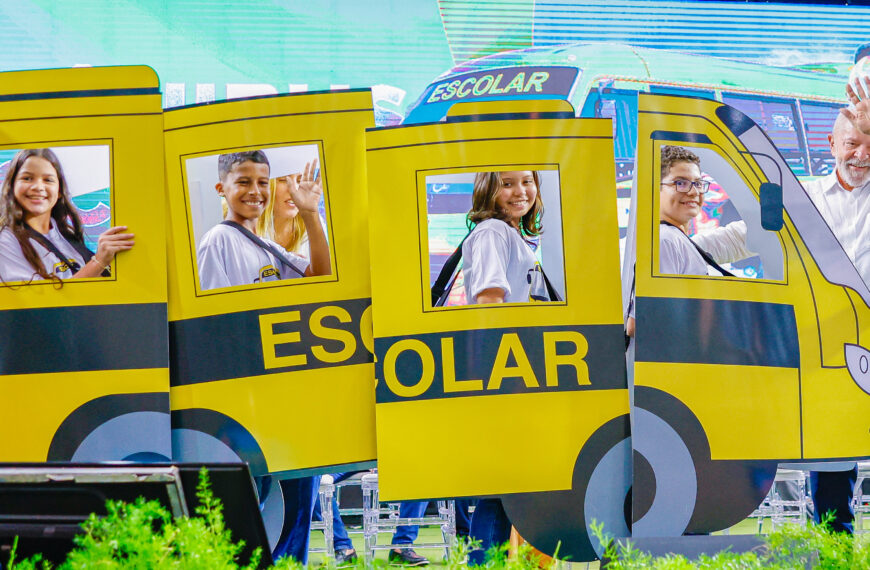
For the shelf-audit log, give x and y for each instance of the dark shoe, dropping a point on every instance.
(345, 557)
(407, 557)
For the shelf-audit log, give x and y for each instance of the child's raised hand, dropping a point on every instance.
(111, 242)
(306, 190)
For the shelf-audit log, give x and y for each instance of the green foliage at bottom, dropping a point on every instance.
(792, 546)
(143, 534)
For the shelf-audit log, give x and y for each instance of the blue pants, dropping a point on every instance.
(463, 519)
(299, 498)
(409, 510)
(832, 491)
(489, 525)
(416, 509)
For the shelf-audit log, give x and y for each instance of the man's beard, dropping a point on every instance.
(846, 175)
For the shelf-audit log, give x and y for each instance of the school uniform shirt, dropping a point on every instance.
(14, 267)
(226, 258)
(496, 256)
(677, 256)
(848, 215)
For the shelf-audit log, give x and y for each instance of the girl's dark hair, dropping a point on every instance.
(483, 206)
(63, 213)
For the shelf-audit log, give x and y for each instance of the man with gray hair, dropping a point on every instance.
(843, 198)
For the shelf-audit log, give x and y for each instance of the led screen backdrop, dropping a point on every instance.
(206, 51)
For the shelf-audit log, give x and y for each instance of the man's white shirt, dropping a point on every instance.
(848, 215)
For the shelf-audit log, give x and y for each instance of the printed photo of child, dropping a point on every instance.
(246, 248)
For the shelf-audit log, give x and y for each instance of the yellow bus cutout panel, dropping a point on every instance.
(85, 369)
(736, 372)
(268, 365)
(479, 384)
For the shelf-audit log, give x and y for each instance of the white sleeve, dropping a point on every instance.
(211, 264)
(13, 265)
(488, 263)
(297, 260)
(725, 244)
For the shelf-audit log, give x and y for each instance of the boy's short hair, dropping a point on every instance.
(226, 162)
(674, 154)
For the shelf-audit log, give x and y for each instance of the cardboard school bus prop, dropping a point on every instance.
(84, 368)
(277, 373)
(733, 375)
(525, 401)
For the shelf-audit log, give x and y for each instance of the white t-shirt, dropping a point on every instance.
(14, 267)
(227, 258)
(495, 255)
(677, 256)
(848, 216)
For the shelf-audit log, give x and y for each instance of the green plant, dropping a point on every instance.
(35, 562)
(791, 546)
(143, 534)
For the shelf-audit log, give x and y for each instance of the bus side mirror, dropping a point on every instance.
(771, 206)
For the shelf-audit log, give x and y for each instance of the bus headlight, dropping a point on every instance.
(858, 363)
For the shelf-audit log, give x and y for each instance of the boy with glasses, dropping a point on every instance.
(681, 196)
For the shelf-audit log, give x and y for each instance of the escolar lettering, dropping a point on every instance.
(510, 363)
(346, 340)
(499, 84)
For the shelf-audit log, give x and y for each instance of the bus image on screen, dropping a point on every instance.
(795, 107)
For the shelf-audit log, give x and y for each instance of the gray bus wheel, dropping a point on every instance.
(725, 491)
(116, 427)
(272, 509)
(200, 447)
(128, 437)
(206, 436)
(604, 502)
(674, 480)
(557, 522)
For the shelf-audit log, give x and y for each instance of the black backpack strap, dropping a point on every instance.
(551, 291)
(86, 254)
(263, 245)
(82, 250)
(708, 259)
(446, 277)
(630, 302)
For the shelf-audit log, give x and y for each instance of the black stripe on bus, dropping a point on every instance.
(696, 138)
(89, 338)
(474, 354)
(516, 116)
(710, 331)
(221, 347)
(80, 93)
